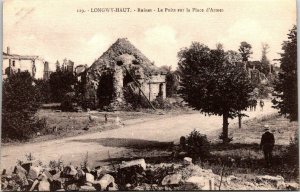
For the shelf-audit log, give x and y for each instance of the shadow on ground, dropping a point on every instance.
(221, 146)
(151, 151)
(129, 143)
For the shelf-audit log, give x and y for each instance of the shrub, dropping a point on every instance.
(292, 154)
(197, 145)
(160, 103)
(87, 103)
(225, 139)
(15, 126)
(67, 104)
(134, 100)
(61, 82)
(264, 91)
(19, 106)
(168, 104)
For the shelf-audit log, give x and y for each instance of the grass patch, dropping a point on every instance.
(248, 159)
(243, 158)
(252, 130)
(68, 124)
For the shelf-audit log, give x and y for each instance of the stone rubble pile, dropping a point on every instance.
(131, 175)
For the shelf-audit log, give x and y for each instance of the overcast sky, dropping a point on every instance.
(54, 30)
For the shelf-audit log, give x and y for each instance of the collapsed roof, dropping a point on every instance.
(123, 47)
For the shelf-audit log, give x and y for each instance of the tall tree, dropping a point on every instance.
(286, 85)
(219, 46)
(57, 64)
(265, 63)
(233, 57)
(213, 85)
(245, 51)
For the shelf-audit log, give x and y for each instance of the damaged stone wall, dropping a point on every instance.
(118, 100)
(122, 57)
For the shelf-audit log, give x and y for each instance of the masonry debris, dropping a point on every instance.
(130, 175)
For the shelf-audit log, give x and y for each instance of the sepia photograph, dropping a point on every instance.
(149, 95)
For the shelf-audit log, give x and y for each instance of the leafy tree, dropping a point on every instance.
(245, 50)
(219, 46)
(19, 107)
(171, 81)
(286, 85)
(212, 85)
(61, 82)
(233, 56)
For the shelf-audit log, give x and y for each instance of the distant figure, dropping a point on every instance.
(91, 118)
(105, 116)
(119, 122)
(250, 106)
(261, 103)
(267, 145)
(254, 104)
(183, 143)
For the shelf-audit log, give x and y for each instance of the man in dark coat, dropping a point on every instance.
(261, 103)
(267, 145)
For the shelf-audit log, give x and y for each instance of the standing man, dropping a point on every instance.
(261, 103)
(254, 105)
(105, 117)
(267, 145)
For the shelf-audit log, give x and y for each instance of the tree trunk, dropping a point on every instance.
(240, 119)
(225, 127)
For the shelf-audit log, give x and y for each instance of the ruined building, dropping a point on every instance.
(12, 63)
(47, 72)
(67, 65)
(256, 75)
(80, 71)
(122, 66)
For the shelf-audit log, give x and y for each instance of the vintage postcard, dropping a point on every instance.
(149, 95)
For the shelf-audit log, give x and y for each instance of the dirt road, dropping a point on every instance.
(117, 141)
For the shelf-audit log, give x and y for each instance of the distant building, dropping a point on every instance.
(68, 65)
(80, 71)
(13, 63)
(257, 76)
(47, 71)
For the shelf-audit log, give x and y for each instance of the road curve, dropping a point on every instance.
(73, 149)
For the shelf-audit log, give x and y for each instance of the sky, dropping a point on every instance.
(54, 30)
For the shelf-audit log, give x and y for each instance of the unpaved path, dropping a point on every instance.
(116, 141)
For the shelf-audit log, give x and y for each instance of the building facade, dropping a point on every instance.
(13, 63)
